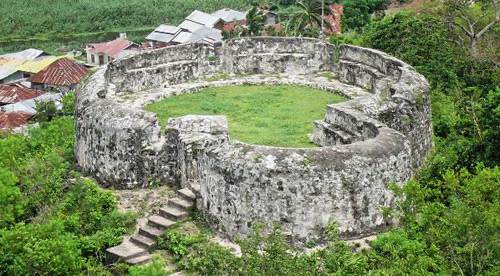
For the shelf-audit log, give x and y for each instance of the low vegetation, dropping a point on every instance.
(52, 222)
(264, 115)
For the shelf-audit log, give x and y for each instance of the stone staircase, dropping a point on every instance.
(137, 249)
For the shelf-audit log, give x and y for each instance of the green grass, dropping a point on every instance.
(280, 115)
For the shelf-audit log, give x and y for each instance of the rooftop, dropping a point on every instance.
(190, 26)
(164, 33)
(28, 106)
(35, 66)
(14, 119)
(28, 54)
(9, 65)
(61, 72)
(111, 48)
(229, 15)
(16, 92)
(199, 34)
(203, 18)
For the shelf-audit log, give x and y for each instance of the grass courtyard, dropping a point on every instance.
(274, 115)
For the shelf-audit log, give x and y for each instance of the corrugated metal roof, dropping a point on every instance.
(199, 34)
(168, 29)
(15, 92)
(14, 119)
(35, 66)
(9, 65)
(203, 18)
(160, 37)
(229, 15)
(111, 48)
(164, 33)
(28, 54)
(190, 25)
(29, 105)
(23, 106)
(60, 73)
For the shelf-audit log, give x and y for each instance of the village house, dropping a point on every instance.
(10, 63)
(335, 20)
(229, 15)
(198, 26)
(61, 76)
(13, 120)
(102, 53)
(31, 67)
(15, 92)
(163, 36)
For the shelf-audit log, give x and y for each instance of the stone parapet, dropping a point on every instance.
(379, 137)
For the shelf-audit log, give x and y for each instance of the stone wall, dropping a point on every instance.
(380, 136)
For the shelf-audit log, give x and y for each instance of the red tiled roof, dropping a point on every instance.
(229, 27)
(16, 92)
(335, 19)
(112, 48)
(14, 119)
(61, 72)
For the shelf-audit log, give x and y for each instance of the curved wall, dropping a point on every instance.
(379, 137)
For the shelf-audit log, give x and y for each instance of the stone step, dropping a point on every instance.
(151, 232)
(160, 222)
(139, 260)
(195, 187)
(173, 214)
(187, 194)
(143, 241)
(330, 135)
(123, 252)
(180, 204)
(343, 135)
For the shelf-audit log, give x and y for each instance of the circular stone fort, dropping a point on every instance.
(377, 138)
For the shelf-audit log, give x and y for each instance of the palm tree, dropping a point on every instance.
(307, 14)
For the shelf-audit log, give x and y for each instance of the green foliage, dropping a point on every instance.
(39, 249)
(45, 111)
(10, 199)
(269, 115)
(304, 18)
(178, 243)
(156, 268)
(358, 13)
(255, 21)
(419, 41)
(49, 225)
(210, 259)
(23, 19)
(68, 103)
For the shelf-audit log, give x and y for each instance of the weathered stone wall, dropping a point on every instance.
(379, 137)
(276, 55)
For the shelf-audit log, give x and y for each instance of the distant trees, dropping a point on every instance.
(471, 19)
(20, 18)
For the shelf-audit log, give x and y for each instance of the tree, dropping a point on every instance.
(46, 111)
(358, 13)
(255, 22)
(307, 15)
(10, 198)
(471, 18)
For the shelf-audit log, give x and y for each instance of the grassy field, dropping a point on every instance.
(264, 115)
